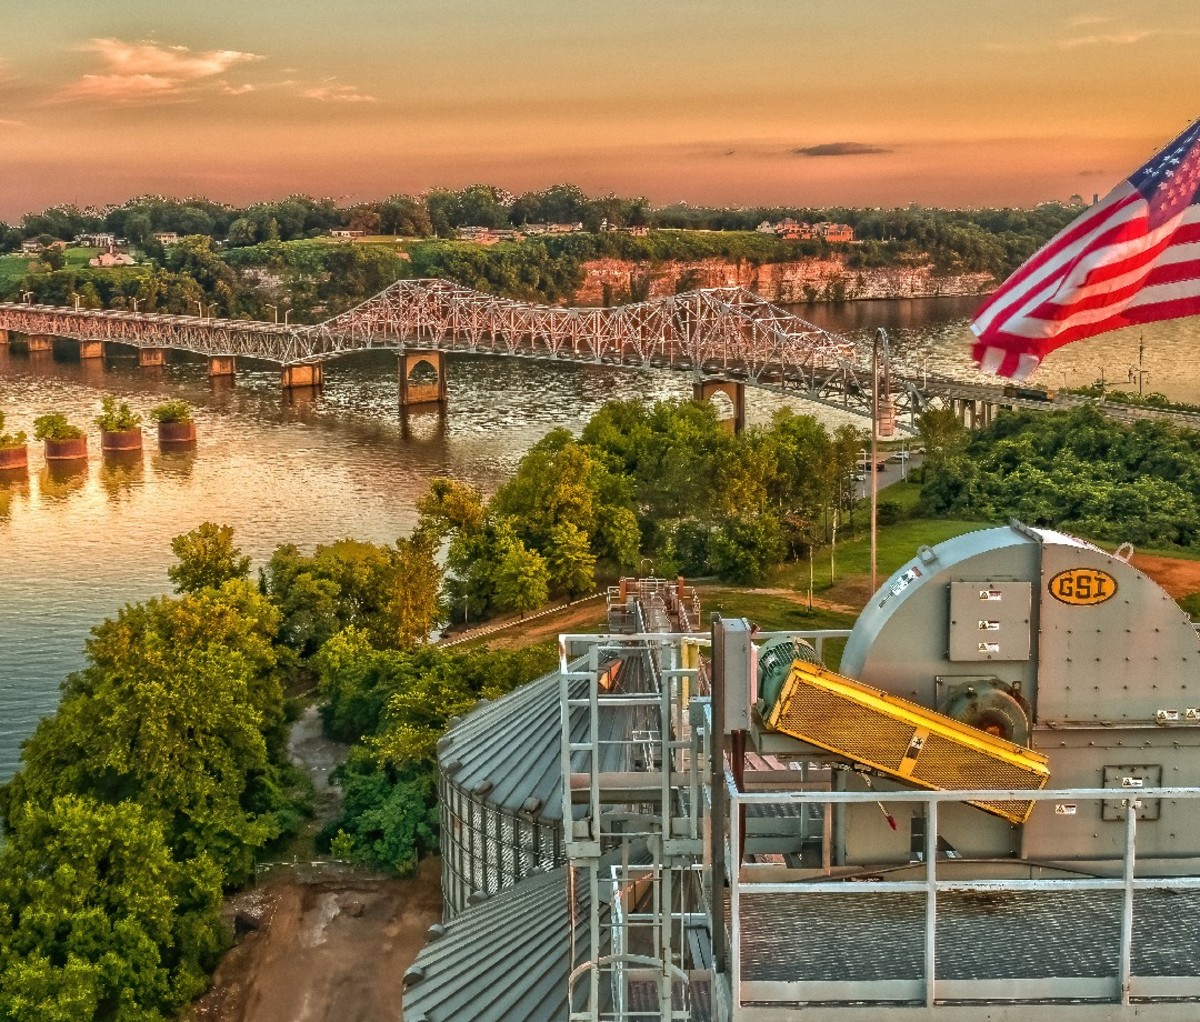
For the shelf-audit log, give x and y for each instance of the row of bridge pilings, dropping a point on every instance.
(425, 388)
(422, 373)
(974, 413)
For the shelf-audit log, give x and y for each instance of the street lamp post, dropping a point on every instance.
(286, 313)
(274, 308)
(135, 303)
(880, 335)
(1137, 372)
(199, 305)
(27, 297)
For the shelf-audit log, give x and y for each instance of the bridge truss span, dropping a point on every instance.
(728, 333)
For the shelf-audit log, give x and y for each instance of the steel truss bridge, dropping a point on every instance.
(723, 333)
(729, 334)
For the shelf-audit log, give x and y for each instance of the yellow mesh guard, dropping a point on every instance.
(902, 739)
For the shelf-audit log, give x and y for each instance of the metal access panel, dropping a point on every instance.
(989, 621)
(1131, 779)
(903, 740)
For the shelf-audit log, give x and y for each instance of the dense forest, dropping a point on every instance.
(244, 262)
(1078, 471)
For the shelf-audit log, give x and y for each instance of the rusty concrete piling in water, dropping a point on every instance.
(222, 366)
(308, 374)
(117, 440)
(14, 459)
(176, 434)
(74, 449)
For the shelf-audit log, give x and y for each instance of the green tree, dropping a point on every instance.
(98, 921)
(943, 435)
(179, 709)
(414, 606)
(522, 579)
(569, 558)
(207, 559)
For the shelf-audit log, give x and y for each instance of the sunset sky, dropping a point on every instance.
(864, 102)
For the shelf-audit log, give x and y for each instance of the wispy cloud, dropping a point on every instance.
(840, 149)
(148, 72)
(1106, 39)
(333, 91)
(5, 123)
(1083, 20)
(1075, 42)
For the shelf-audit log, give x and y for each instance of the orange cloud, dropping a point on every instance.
(141, 72)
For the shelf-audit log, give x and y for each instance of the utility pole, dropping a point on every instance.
(1139, 372)
(880, 335)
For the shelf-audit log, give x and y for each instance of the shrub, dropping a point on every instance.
(10, 439)
(55, 427)
(175, 410)
(116, 418)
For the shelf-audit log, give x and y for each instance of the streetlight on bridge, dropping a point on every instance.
(275, 308)
(27, 297)
(199, 305)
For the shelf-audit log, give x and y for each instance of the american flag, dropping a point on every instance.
(1133, 258)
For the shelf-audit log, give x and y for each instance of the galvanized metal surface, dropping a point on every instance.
(501, 785)
(988, 935)
(508, 749)
(505, 960)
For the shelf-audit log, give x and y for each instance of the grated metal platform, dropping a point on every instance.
(845, 938)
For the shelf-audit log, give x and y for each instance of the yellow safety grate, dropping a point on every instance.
(902, 739)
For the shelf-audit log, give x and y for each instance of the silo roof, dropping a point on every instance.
(508, 959)
(508, 751)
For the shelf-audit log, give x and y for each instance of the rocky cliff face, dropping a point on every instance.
(610, 281)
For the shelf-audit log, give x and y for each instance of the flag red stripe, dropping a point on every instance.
(1111, 205)
(1129, 257)
(1186, 303)
(1081, 294)
(1118, 234)
(1167, 273)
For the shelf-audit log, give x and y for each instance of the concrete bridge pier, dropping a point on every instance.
(151, 358)
(4, 338)
(91, 349)
(40, 342)
(222, 366)
(421, 390)
(310, 374)
(704, 390)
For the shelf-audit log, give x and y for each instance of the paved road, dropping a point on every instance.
(892, 472)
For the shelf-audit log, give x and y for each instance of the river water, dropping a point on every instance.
(75, 547)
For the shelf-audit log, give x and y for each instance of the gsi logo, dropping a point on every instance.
(1083, 587)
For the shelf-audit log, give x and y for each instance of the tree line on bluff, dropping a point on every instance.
(239, 262)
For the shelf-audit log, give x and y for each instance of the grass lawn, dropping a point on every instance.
(774, 613)
(898, 544)
(12, 269)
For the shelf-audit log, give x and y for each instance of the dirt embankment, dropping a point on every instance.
(1178, 577)
(332, 950)
(800, 281)
(321, 943)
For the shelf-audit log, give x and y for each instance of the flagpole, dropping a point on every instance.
(880, 335)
